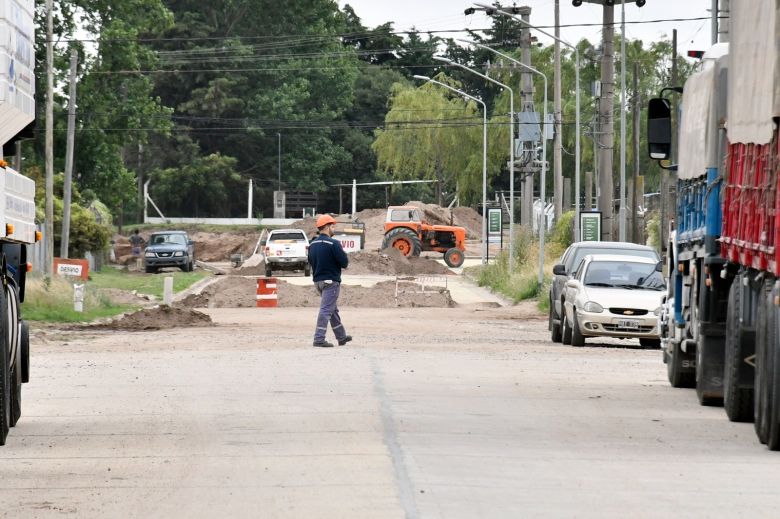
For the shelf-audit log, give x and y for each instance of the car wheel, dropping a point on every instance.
(577, 339)
(650, 344)
(307, 271)
(566, 338)
(556, 334)
(151, 270)
(268, 272)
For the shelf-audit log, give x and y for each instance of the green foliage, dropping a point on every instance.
(653, 230)
(563, 232)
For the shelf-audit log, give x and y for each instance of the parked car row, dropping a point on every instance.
(606, 289)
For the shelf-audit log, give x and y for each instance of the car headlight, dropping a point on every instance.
(178, 253)
(657, 311)
(593, 307)
(149, 254)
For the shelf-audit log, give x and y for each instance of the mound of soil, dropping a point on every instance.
(209, 246)
(240, 292)
(392, 262)
(159, 318)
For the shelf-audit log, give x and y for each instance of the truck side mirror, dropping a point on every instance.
(559, 270)
(659, 128)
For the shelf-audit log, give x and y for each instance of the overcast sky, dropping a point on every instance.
(438, 15)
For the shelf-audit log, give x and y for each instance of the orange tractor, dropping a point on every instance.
(406, 231)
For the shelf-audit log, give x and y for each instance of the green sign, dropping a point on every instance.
(590, 226)
(494, 221)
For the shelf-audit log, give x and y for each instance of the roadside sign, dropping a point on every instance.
(590, 226)
(72, 267)
(494, 224)
(349, 242)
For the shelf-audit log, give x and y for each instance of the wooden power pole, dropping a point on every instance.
(49, 203)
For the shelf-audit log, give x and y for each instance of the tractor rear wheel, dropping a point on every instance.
(403, 239)
(454, 257)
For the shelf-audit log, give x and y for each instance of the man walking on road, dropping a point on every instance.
(327, 258)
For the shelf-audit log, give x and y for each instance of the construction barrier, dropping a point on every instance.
(266, 293)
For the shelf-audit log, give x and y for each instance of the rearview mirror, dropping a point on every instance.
(559, 270)
(659, 128)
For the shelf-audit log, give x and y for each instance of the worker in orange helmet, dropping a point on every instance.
(327, 258)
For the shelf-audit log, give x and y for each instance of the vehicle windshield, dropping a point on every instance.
(624, 274)
(281, 236)
(166, 239)
(581, 252)
(404, 215)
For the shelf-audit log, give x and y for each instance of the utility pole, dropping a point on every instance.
(66, 187)
(723, 25)
(623, 108)
(606, 135)
(668, 202)
(557, 145)
(527, 103)
(49, 142)
(635, 195)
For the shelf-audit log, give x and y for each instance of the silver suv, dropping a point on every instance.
(567, 265)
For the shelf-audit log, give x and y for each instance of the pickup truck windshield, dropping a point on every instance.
(158, 239)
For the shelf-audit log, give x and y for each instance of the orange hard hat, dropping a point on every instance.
(324, 219)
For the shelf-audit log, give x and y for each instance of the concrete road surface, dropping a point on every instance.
(429, 413)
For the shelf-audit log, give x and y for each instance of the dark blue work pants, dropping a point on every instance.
(329, 311)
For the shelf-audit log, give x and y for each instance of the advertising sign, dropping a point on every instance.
(72, 267)
(349, 242)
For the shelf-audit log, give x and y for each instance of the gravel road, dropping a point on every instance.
(431, 413)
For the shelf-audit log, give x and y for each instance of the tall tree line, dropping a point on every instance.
(196, 97)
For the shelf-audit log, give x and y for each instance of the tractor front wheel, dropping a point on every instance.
(454, 257)
(403, 239)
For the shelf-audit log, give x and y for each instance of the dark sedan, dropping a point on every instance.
(169, 249)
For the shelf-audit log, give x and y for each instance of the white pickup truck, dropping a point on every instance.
(287, 249)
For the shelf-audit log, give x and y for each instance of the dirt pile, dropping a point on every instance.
(158, 318)
(209, 246)
(392, 262)
(239, 292)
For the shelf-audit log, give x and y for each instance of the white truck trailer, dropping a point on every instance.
(17, 202)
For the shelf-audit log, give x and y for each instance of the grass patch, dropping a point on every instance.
(523, 283)
(151, 284)
(51, 299)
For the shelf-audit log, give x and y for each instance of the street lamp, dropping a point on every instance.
(511, 151)
(484, 158)
(490, 8)
(542, 188)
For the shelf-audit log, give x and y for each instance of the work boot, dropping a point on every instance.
(323, 344)
(345, 340)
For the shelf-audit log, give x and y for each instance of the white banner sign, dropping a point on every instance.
(64, 269)
(350, 243)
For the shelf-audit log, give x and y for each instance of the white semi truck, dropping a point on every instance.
(17, 202)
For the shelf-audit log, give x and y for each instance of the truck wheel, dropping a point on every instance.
(566, 338)
(577, 339)
(268, 272)
(678, 369)
(150, 270)
(737, 401)
(556, 334)
(307, 270)
(24, 344)
(761, 384)
(5, 375)
(773, 365)
(454, 257)
(403, 239)
(650, 344)
(15, 365)
(709, 352)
